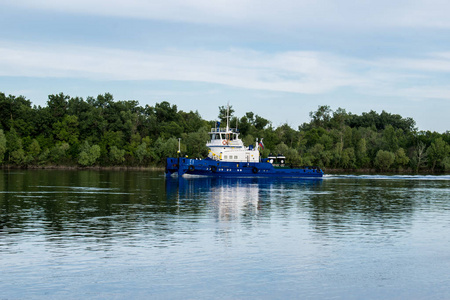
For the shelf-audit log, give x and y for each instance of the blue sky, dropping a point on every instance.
(279, 59)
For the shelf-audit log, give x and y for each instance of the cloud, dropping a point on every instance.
(433, 62)
(298, 72)
(304, 72)
(293, 14)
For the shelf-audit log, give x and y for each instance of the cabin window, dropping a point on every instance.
(225, 157)
(235, 157)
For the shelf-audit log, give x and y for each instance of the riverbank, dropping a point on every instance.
(62, 167)
(386, 172)
(160, 168)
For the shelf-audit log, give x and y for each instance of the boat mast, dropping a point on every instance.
(228, 116)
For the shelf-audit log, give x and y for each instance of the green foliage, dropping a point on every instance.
(348, 159)
(141, 152)
(2, 145)
(33, 152)
(362, 158)
(57, 105)
(59, 153)
(195, 143)
(291, 154)
(89, 154)
(165, 148)
(419, 156)
(43, 158)
(124, 133)
(380, 121)
(446, 163)
(321, 117)
(384, 159)
(223, 111)
(13, 141)
(17, 156)
(67, 129)
(438, 151)
(401, 159)
(117, 156)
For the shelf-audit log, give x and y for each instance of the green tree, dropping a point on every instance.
(437, 152)
(290, 153)
(16, 112)
(196, 143)
(419, 156)
(384, 159)
(14, 147)
(59, 153)
(362, 157)
(58, 104)
(165, 148)
(166, 113)
(390, 139)
(446, 163)
(117, 156)
(319, 156)
(223, 111)
(244, 126)
(321, 117)
(44, 157)
(2, 145)
(18, 156)
(141, 152)
(401, 159)
(287, 135)
(261, 122)
(33, 151)
(67, 129)
(89, 154)
(348, 159)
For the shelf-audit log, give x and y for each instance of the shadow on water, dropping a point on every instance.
(72, 204)
(118, 234)
(234, 198)
(113, 204)
(375, 204)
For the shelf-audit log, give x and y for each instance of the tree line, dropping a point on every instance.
(72, 131)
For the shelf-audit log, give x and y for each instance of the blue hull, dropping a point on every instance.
(209, 167)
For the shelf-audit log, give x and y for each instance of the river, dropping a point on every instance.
(137, 235)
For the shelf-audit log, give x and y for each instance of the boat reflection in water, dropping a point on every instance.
(233, 198)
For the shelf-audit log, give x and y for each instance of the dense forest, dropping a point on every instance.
(103, 132)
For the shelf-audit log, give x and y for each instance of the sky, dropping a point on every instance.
(279, 59)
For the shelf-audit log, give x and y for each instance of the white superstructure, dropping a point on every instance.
(225, 145)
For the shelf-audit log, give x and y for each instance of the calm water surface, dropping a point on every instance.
(137, 235)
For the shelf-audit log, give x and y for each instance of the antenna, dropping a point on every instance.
(228, 116)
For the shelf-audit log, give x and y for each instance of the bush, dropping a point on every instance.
(384, 160)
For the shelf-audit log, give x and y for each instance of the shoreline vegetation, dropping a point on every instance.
(103, 134)
(77, 167)
(162, 168)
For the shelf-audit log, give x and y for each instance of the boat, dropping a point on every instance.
(228, 156)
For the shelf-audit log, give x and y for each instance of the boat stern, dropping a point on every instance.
(172, 166)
